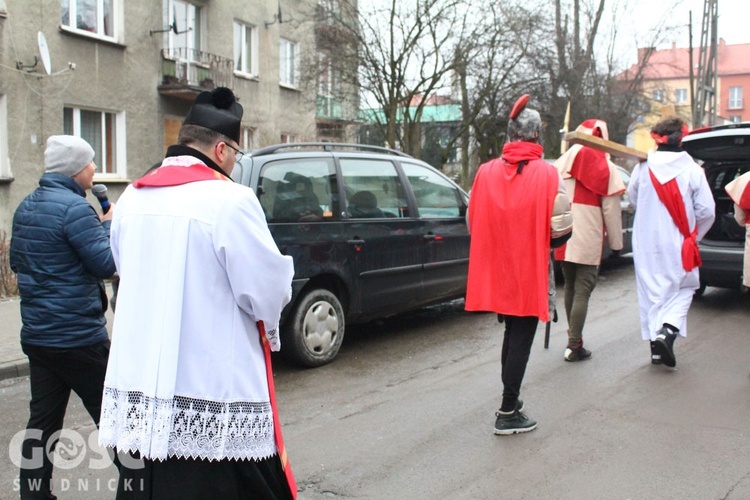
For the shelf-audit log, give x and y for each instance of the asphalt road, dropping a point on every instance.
(406, 411)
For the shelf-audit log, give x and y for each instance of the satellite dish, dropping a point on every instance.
(44, 52)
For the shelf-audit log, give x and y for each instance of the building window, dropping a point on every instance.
(288, 63)
(735, 119)
(735, 97)
(286, 139)
(91, 16)
(106, 134)
(185, 33)
(5, 172)
(247, 139)
(680, 96)
(328, 104)
(245, 49)
(658, 95)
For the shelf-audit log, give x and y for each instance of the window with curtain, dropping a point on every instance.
(100, 129)
(288, 63)
(245, 49)
(5, 172)
(96, 17)
(735, 97)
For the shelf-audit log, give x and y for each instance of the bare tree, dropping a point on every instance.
(405, 54)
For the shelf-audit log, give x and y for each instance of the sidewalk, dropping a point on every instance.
(13, 362)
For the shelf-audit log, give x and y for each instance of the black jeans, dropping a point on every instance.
(519, 336)
(53, 372)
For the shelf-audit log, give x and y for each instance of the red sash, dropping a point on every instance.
(276, 423)
(669, 194)
(176, 175)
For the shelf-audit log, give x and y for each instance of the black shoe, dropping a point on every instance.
(655, 358)
(514, 422)
(663, 346)
(577, 353)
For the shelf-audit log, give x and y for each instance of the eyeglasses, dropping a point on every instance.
(237, 153)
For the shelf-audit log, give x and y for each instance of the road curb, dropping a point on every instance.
(14, 370)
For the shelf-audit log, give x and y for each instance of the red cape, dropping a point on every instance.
(509, 215)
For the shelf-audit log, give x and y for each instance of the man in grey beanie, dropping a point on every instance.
(60, 251)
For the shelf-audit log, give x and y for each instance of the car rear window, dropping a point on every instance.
(298, 190)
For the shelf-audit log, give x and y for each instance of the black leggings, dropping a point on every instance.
(519, 336)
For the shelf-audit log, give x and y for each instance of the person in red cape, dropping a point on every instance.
(674, 209)
(595, 186)
(518, 208)
(739, 191)
(188, 397)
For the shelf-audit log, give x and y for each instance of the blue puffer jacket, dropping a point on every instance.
(60, 251)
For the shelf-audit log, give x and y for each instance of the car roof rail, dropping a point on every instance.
(327, 146)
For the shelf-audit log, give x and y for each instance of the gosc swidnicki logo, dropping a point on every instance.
(66, 449)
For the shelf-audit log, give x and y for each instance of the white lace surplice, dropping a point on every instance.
(186, 375)
(187, 428)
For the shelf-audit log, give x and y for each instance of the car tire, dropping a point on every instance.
(313, 333)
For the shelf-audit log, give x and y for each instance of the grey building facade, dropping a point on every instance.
(122, 74)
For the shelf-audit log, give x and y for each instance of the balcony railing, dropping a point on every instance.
(187, 72)
(329, 107)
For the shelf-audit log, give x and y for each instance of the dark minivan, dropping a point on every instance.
(725, 153)
(373, 233)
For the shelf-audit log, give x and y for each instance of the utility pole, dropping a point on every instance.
(708, 67)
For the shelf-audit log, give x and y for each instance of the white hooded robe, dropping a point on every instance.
(665, 289)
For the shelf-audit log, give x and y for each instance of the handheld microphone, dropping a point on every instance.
(100, 191)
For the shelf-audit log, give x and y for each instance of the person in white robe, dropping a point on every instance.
(666, 279)
(189, 387)
(739, 191)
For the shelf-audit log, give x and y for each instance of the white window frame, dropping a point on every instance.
(72, 25)
(735, 119)
(187, 28)
(247, 138)
(735, 97)
(288, 72)
(658, 95)
(120, 156)
(243, 31)
(681, 96)
(5, 172)
(286, 139)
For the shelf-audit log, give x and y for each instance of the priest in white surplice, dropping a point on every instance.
(674, 210)
(189, 387)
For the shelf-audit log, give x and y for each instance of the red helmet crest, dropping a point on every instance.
(519, 106)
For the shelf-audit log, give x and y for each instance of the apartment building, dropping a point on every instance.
(666, 87)
(122, 74)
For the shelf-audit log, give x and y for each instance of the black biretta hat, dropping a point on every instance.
(217, 110)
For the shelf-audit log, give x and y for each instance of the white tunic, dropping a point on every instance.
(186, 374)
(665, 289)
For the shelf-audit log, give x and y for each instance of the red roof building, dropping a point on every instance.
(666, 82)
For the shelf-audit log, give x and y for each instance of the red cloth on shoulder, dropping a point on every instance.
(591, 169)
(509, 217)
(175, 175)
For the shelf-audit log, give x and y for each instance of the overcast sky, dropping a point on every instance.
(642, 15)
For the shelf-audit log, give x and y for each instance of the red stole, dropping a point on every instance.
(669, 194)
(509, 215)
(175, 175)
(276, 423)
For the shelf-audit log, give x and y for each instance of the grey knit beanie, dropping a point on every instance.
(67, 155)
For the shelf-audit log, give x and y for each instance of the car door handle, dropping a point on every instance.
(432, 237)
